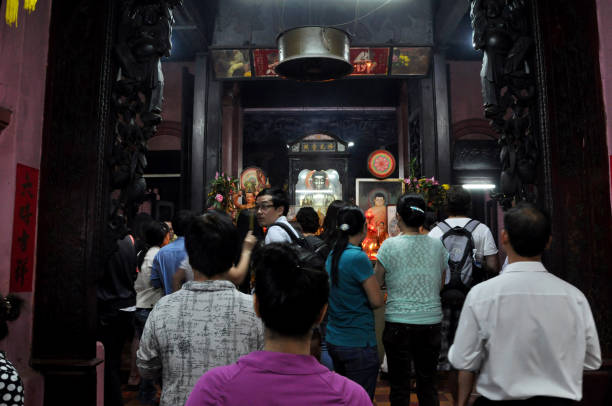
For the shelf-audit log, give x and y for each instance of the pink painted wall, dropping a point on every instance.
(466, 97)
(22, 89)
(604, 18)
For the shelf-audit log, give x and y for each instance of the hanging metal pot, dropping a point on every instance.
(313, 53)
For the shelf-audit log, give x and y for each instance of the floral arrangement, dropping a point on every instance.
(222, 189)
(432, 191)
(400, 60)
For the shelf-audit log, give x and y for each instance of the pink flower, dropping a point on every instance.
(219, 197)
(216, 175)
(407, 181)
(228, 179)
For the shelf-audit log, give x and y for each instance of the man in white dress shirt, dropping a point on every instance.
(271, 208)
(529, 333)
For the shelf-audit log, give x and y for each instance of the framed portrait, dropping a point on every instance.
(367, 189)
(392, 224)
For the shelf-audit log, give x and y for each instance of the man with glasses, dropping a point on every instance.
(271, 210)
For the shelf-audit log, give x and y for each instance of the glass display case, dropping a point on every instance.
(317, 189)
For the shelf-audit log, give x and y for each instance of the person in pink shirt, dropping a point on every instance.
(290, 299)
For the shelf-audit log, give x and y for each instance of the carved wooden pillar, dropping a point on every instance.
(206, 137)
(74, 192)
(575, 162)
(435, 138)
(443, 156)
(428, 127)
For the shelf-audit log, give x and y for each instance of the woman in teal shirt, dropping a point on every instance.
(412, 266)
(354, 292)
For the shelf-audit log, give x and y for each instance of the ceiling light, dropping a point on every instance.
(313, 53)
(351, 144)
(479, 186)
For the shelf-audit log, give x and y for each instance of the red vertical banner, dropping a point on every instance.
(24, 229)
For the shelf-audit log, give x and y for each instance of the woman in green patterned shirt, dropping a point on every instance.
(411, 265)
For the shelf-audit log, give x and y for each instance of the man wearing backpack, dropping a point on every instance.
(473, 253)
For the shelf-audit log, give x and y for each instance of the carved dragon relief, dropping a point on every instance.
(502, 31)
(143, 38)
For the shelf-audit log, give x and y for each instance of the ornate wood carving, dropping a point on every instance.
(502, 31)
(143, 38)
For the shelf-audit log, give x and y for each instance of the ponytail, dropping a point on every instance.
(350, 223)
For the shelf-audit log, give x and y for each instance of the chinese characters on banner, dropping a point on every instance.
(24, 228)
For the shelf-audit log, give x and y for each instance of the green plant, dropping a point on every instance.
(222, 189)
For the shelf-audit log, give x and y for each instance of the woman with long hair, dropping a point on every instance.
(354, 293)
(330, 223)
(411, 265)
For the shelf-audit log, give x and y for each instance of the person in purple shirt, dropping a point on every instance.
(169, 258)
(290, 299)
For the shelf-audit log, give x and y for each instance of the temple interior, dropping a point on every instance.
(111, 109)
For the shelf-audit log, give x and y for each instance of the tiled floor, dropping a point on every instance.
(381, 398)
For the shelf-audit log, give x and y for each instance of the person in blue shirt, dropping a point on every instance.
(354, 293)
(168, 259)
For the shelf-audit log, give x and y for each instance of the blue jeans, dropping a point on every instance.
(359, 364)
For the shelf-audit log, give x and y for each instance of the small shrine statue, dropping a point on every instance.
(249, 199)
(320, 194)
(376, 218)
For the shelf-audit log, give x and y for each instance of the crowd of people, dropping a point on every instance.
(301, 330)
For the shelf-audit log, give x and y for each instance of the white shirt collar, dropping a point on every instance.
(525, 266)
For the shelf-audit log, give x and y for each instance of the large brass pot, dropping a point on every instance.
(313, 53)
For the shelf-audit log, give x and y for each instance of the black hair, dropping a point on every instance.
(290, 295)
(279, 198)
(330, 229)
(212, 243)
(430, 221)
(10, 308)
(458, 201)
(411, 208)
(139, 224)
(379, 194)
(350, 222)
(180, 222)
(308, 219)
(528, 229)
(155, 233)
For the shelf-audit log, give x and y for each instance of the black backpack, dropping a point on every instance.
(309, 255)
(464, 272)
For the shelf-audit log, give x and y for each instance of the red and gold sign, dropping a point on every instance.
(265, 61)
(381, 163)
(369, 61)
(24, 229)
